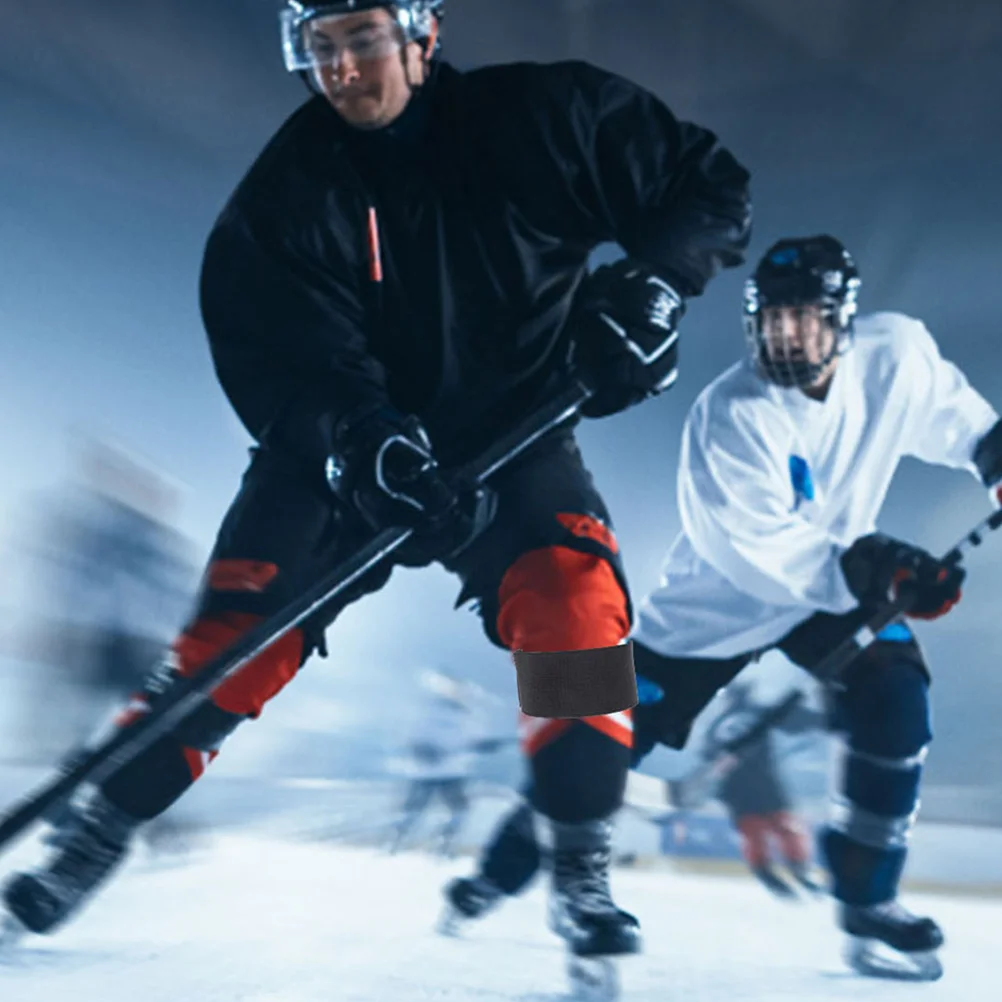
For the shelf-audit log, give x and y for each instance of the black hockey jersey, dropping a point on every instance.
(432, 264)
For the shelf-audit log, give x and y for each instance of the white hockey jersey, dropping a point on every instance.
(774, 486)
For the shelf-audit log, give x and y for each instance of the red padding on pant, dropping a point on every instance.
(754, 830)
(247, 690)
(558, 599)
(589, 528)
(198, 761)
(793, 841)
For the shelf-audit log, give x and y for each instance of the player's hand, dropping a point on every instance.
(988, 460)
(878, 568)
(385, 468)
(625, 335)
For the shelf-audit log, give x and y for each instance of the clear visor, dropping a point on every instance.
(798, 334)
(794, 345)
(322, 36)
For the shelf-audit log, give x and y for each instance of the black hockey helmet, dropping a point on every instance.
(418, 20)
(801, 271)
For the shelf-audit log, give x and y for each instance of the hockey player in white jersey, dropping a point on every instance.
(786, 460)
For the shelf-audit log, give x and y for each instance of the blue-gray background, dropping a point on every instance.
(124, 125)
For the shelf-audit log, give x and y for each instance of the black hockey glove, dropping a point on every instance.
(988, 460)
(878, 568)
(625, 333)
(384, 467)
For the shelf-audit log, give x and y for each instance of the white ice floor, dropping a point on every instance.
(260, 920)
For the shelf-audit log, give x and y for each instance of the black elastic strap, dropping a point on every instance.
(589, 683)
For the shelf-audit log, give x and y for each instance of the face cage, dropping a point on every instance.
(416, 23)
(799, 374)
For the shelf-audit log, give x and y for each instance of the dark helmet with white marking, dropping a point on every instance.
(801, 273)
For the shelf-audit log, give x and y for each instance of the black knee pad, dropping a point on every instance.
(885, 709)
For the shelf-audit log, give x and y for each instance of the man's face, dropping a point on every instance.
(363, 65)
(799, 334)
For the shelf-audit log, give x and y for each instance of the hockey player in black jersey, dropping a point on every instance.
(401, 278)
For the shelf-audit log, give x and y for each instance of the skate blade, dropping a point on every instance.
(780, 889)
(873, 959)
(808, 881)
(593, 979)
(12, 933)
(812, 889)
(450, 923)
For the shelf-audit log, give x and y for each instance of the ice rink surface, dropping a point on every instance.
(258, 919)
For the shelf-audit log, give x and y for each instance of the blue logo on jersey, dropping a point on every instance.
(800, 479)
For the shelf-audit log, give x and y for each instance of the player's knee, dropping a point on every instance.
(559, 599)
(887, 711)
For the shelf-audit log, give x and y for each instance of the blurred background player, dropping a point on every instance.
(111, 579)
(447, 735)
(754, 791)
(786, 461)
(399, 281)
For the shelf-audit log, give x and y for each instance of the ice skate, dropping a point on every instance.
(12, 932)
(887, 941)
(773, 882)
(467, 899)
(583, 914)
(88, 852)
(806, 878)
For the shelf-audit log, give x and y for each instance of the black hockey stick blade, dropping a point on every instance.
(188, 693)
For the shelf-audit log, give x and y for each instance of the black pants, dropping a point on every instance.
(285, 530)
(690, 683)
(287, 517)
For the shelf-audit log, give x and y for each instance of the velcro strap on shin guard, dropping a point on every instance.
(591, 683)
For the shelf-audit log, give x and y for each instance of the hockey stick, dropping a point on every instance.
(828, 670)
(831, 667)
(187, 693)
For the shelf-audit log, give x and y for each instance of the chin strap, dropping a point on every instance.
(429, 50)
